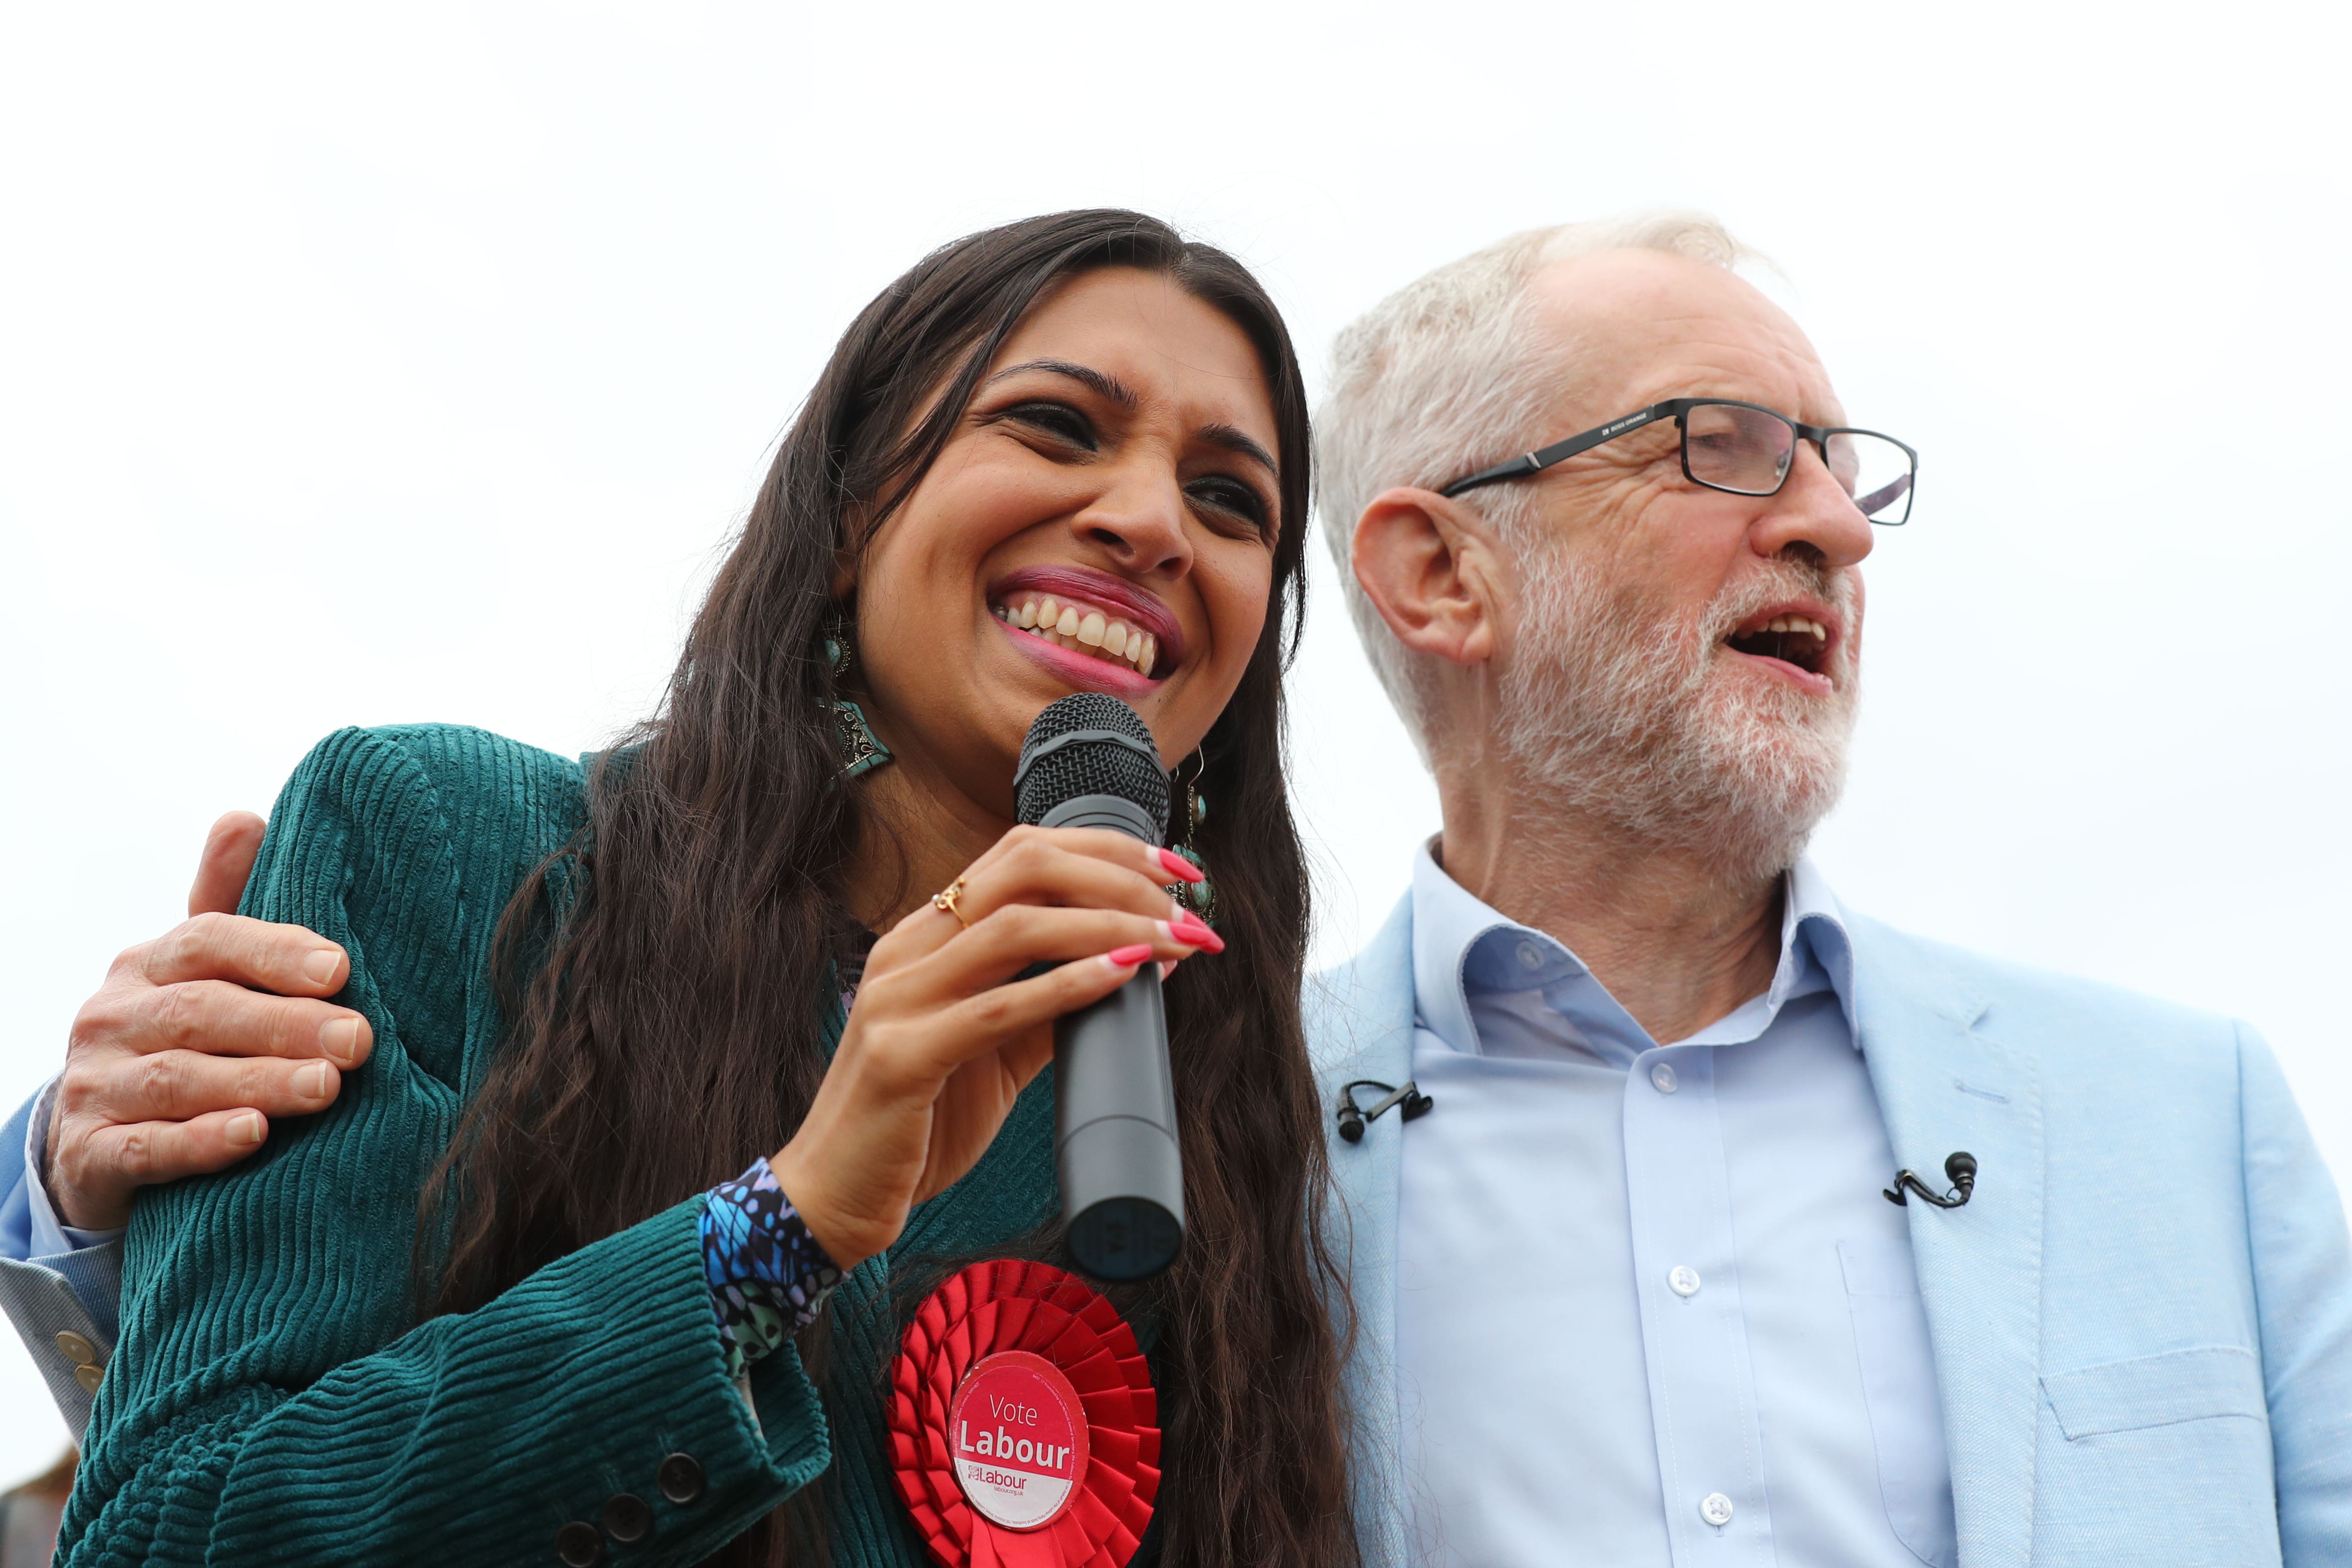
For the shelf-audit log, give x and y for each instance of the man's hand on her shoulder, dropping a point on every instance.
(196, 1040)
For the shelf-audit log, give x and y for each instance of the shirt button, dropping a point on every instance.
(77, 1349)
(1662, 1075)
(89, 1376)
(1683, 1279)
(578, 1544)
(679, 1478)
(1530, 956)
(1715, 1509)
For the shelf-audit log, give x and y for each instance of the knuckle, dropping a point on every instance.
(179, 1016)
(79, 1087)
(162, 1079)
(135, 1152)
(992, 1010)
(94, 1025)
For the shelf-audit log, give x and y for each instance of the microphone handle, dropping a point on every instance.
(1116, 1152)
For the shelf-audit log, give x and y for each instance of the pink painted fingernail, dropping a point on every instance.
(1193, 931)
(1128, 958)
(1177, 866)
(247, 1127)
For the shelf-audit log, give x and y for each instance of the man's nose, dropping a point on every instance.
(1139, 521)
(1812, 508)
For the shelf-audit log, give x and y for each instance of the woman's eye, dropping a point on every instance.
(1232, 497)
(1058, 420)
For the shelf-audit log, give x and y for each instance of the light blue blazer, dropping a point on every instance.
(2142, 1322)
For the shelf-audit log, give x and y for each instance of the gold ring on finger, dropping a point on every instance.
(946, 900)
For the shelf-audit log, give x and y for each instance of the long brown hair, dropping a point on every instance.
(663, 977)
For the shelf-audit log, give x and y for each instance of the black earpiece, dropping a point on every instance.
(1960, 1170)
(1409, 1100)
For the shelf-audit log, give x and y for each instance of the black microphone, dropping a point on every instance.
(1960, 1170)
(1090, 762)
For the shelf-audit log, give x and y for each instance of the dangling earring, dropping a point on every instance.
(861, 752)
(1200, 897)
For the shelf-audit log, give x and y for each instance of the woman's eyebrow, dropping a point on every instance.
(1119, 393)
(1087, 375)
(1232, 440)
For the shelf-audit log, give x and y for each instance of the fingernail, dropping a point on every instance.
(1177, 866)
(1128, 958)
(1167, 968)
(310, 1079)
(1191, 929)
(247, 1127)
(339, 1039)
(320, 966)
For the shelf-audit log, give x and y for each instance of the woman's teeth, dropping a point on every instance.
(1083, 629)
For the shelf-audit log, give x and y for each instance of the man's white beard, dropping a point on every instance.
(1632, 720)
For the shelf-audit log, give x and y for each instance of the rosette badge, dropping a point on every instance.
(1024, 1429)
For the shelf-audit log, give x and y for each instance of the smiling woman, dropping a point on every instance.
(505, 1292)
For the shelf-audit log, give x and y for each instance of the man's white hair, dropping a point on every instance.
(1448, 375)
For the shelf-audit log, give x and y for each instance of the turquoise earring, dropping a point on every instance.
(861, 751)
(1200, 897)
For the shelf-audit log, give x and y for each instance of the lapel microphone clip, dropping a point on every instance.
(1961, 1169)
(1410, 1103)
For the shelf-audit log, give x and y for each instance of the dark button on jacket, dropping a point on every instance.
(680, 1477)
(628, 1517)
(578, 1544)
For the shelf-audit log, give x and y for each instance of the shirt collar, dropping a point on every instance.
(1462, 945)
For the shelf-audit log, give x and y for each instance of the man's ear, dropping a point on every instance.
(1431, 569)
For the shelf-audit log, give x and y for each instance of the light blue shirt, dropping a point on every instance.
(1651, 1307)
(29, 1226)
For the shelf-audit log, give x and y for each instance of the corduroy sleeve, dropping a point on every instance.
(270, 1401)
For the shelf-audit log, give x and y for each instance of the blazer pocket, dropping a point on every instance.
(2211, 1383)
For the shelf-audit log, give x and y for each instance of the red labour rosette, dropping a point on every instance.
(1010, 1348)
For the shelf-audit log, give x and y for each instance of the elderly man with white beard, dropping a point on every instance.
(1628, 1285)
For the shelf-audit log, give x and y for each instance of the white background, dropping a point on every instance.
(362, 370)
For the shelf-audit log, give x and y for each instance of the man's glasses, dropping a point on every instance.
(1745, 449)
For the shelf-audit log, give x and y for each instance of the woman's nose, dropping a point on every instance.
(1140, 523)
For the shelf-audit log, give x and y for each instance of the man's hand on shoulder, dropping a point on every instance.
(195, 1041)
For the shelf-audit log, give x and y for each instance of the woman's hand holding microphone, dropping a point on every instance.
(942, 1039)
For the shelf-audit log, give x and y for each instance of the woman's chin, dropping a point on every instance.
(1081, 671)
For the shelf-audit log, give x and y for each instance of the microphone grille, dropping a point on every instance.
(1089, 743)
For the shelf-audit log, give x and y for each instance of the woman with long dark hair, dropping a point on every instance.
(516, 1297)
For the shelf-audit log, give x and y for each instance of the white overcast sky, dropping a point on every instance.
(363, 368)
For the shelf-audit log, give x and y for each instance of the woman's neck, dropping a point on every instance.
(917, 833)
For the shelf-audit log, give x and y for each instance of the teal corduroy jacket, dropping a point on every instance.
(274, 1400)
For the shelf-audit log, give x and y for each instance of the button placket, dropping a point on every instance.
(1694, 1331)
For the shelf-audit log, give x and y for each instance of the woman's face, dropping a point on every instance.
(1102, 519)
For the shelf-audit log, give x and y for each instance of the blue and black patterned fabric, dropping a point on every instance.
(769, 1278)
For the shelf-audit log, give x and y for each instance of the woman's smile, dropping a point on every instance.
(1090, 627)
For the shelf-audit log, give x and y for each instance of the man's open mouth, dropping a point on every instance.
(1792, 639)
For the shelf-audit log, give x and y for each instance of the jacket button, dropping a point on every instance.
(628, 1517)
(78, 1350)
(578, 1544)
(89, 1376)
(679, 1478)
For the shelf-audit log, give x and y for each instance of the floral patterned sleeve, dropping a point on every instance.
(768, 1275)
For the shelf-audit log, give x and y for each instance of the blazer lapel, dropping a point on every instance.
(1359, 1025)
(1943, 1086)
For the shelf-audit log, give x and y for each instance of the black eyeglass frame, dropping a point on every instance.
(1678, 410)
